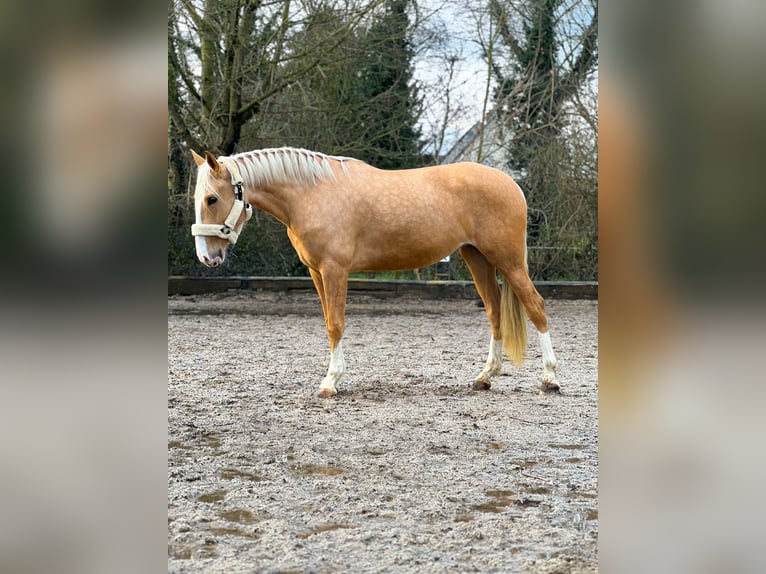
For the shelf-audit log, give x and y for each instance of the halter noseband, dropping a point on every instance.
(226, 230)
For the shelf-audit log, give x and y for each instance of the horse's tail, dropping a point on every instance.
(513, 322)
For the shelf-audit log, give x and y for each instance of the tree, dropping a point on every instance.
(230, 59)
(544, 73)
(389, 121)
(364, 104)
(543, 62)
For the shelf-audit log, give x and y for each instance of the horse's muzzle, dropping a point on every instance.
(212, 261)
(215, 262)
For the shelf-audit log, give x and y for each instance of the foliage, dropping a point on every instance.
(551, 140)
(388, 126)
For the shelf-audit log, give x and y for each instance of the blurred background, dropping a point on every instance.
(681, 322)
(82, 287)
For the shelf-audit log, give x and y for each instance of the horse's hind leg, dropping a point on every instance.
(485, 279)
(332, 284)
(534, 305)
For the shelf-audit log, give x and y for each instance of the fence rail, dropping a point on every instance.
(178, 285)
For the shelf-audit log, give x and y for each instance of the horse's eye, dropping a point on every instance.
(211, 200)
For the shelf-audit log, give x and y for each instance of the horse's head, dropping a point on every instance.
(219, 206)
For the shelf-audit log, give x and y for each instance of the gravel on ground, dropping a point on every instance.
(407, 469)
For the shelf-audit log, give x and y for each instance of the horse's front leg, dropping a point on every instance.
(332, 284)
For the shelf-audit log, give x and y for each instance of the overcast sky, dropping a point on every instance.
(454, 33)
(457, 28)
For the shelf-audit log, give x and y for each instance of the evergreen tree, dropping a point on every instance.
(389, 117)
(363, 104)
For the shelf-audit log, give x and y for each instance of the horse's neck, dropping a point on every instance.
(275, 178)
(276, 200)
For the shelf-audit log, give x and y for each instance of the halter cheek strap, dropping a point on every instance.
(226, 230)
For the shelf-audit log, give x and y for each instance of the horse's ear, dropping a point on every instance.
(212, 162)
(198, 159)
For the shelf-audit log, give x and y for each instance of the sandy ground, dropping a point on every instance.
(407, 469)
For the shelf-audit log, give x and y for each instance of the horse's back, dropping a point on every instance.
(463, 201)
(481, 190)
(476, 177)
(463, 179)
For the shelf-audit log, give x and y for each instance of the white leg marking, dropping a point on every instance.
(336, 370)
(494, 358)
(549, 359)
(493, 366)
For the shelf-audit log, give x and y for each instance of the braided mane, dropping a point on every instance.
(286, 165)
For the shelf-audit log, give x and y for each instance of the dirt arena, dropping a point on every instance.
(406, 470)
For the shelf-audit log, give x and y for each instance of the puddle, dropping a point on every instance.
(212, 441)
(178, 444)
(230, 473)
(238, 515)
(323, 528)
(184, 551)
(500, 499)
(440, 450)
(496, 506)
(179, 552)
(592, 515)
(215, 496)
(463, 518)
(232, 532)
(537, 490)
(496, 446)
(527, 503)
(499, 493)
(375, 452)
(575, 459)
(568, 446)
(583, 495)
(315, 469)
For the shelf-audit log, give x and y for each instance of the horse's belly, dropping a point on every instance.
(398, 254)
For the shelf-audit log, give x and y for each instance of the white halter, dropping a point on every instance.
(226, 231)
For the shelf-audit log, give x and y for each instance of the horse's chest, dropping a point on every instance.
(315, 246)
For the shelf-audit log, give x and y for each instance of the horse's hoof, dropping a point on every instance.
(550, 387)
(326, 393)
(482, 383)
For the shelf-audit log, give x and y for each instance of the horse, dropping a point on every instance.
(344, 215)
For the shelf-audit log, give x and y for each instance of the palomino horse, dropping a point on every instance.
(343, 215)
